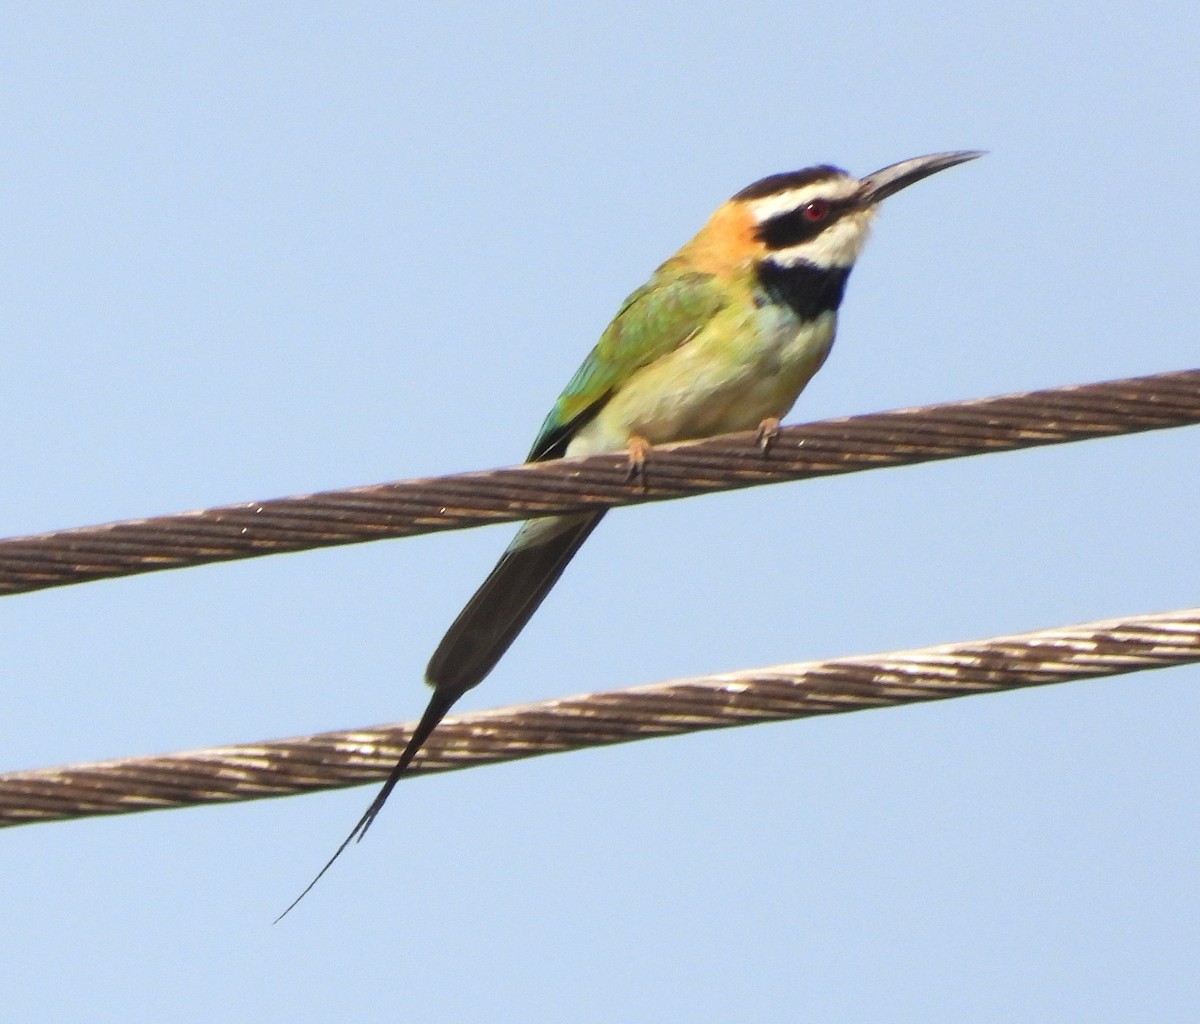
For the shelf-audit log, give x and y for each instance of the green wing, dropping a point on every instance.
(656, 319)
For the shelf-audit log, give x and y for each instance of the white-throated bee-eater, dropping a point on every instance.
(723, 337)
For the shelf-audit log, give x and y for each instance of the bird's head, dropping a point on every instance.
(816, 218)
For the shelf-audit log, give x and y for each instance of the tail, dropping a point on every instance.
(439, 704)
(490, 622)
(478, 638)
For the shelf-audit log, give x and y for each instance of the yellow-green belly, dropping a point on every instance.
(732, 375)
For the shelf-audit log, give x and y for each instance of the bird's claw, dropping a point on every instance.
(767, 434)
(638, 449)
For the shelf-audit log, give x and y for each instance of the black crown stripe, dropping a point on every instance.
(775, 183)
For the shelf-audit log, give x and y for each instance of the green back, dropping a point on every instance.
(656, 319)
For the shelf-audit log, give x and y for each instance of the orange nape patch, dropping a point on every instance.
(726, 243)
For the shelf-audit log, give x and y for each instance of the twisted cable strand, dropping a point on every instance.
(351, 757)
(411, 507)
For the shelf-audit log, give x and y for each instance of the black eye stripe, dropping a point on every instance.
(793, 228)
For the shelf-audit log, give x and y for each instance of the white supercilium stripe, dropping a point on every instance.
(793, 199)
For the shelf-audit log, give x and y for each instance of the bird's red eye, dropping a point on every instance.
(816, 210)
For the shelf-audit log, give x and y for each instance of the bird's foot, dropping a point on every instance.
(768, 432)
(638, 449)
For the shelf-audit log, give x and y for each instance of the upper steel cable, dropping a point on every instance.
(906, 436)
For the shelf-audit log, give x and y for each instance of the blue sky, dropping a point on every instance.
(256, 250)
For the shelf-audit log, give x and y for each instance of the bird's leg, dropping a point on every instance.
(638, 449)
(768, 431)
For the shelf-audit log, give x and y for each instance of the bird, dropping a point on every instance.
(723, 337)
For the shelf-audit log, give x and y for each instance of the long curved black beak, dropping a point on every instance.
(890, 180)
